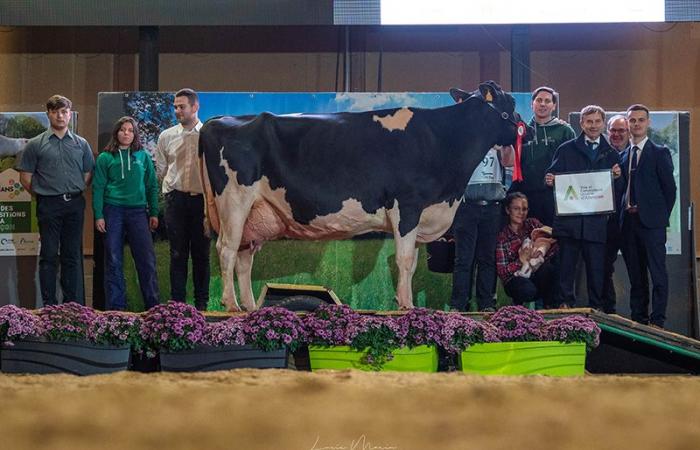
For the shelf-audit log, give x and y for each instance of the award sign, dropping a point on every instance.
(584, 193)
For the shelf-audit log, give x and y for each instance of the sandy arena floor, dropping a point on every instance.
(279, 409)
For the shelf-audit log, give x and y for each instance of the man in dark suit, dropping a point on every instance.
(619, 138)
(583, 233)
(646, 205)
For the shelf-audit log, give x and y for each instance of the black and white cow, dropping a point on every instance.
(333, 176)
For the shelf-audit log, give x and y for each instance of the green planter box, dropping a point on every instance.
(78, 358)
(423, 358)
(524, 358)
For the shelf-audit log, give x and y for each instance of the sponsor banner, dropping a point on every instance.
(584, 193)
(18, 229)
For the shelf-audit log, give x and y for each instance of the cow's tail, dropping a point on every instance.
(211, 214)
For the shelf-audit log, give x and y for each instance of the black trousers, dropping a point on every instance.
(475, 230)
(184, 220)
(540, 285)
(645, 249)
(61, 232)
(593, 257)
(612, 247)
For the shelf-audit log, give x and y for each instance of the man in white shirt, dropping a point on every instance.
(177, 165)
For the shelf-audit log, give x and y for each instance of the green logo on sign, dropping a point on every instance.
(570, 194)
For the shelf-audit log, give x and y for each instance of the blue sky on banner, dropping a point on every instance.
(243, 103)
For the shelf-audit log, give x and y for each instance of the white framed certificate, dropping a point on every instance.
(579, 193)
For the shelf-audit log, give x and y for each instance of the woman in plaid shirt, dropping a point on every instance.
(527, 275)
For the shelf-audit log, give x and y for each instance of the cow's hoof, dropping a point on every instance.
(231, 308)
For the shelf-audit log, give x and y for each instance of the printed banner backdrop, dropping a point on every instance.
(361, 271)
(154, 110)
(19, 232)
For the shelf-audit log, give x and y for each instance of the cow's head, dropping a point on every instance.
(502, 106)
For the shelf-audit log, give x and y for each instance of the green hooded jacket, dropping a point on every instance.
(537, 154)
(125, 178)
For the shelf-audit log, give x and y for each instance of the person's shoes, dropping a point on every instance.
(657, 327)
(489, 309)
(564, 306)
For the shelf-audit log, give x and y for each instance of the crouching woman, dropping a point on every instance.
(524, 252)
(125, 202)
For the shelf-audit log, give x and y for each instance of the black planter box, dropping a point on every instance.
(204, 358)
(77, 358)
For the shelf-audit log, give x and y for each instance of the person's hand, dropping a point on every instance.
(100, 225)
(616, 171)
(549, 179)
(153, 223)
(524, 254)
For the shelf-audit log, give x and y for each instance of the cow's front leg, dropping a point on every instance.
(406, 261)
(244, 267)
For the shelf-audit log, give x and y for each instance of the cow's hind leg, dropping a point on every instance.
(227, 245)
(227, 262)
(244, 267)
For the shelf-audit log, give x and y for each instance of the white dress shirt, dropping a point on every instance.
(177, 159)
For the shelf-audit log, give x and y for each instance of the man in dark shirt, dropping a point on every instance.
(56, 166)
(536, 157)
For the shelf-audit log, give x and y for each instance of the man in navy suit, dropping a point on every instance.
(619, 138)
(583, 233)
(646, 207)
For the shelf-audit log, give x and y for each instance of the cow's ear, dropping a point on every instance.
(486, 92)
(459, 95)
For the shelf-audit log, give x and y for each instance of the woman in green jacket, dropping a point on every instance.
(125, 201)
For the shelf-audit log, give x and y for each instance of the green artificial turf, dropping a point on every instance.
(362, 272)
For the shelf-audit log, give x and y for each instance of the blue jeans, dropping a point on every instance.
(132, 223)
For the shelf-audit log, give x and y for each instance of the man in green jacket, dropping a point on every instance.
(550, 133)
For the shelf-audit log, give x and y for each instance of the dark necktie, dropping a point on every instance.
(633, 173)
(591, 145)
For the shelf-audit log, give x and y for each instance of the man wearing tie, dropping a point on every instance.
(619, 138)
(583, 233)
(646, 204)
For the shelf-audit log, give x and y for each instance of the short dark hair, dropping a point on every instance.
(57, 101)
(510, 198)
(592, 109)
(113, 145)
(545, 89)
(191, 95)
(638, 107)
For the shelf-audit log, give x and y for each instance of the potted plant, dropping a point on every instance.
(531, 345)
(71, 338)
(187, 343)
(460, 332)
(340, 338)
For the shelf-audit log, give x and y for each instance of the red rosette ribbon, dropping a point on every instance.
(520, 133)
